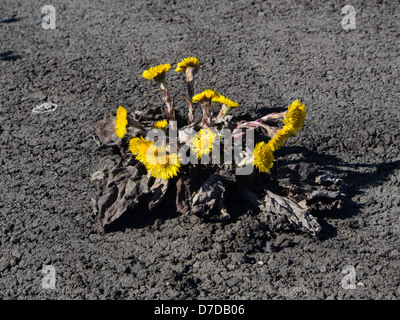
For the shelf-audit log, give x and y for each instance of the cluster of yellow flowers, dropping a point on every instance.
(157, 161)
(163, 164)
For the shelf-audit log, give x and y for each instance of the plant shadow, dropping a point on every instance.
(356, 178)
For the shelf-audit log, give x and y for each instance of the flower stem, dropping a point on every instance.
(168, 101)
(223, 112)
(252, 125)
(190, 88)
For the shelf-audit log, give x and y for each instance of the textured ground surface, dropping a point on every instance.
(261, 54)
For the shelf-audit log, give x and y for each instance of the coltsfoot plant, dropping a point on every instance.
(202, 157)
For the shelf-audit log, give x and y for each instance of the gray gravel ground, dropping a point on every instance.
(261, 54)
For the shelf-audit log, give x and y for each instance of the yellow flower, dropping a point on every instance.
(156, 73)
(263, 157)
(160, 124)
(293, 122)
(295, 115)
(160, 164)
(229, 103)
(155, 159)
(202, 143)
(191, 62)
(206, 95)
(139, 147)
(281, 137)
(121, 121)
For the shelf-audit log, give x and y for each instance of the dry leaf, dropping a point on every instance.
(122, 189)
(105, 131)
(158, 191)
(281, 212)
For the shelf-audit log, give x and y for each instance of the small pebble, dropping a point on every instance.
(45, 107)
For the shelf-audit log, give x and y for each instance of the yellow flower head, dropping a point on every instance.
(191, 62)
(295, 115)
(139, 147)
(263, 157)
(281, 137)
(156, 73)
(206, 95)
(229, 103)
(160, 124)
(121, 121)
(160, 164)
(202, 143)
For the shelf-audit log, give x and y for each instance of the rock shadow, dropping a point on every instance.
(12, 19)
(9, 56)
